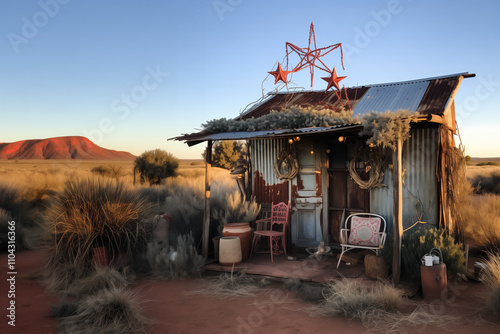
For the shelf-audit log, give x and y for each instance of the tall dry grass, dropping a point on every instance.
(480, 219)
(490, 276)
(87, 214)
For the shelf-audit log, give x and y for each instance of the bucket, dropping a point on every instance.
(229, 251)
(433, 276)
(244, 232)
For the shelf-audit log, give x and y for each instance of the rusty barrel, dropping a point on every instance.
(434, 281)
(244, 232)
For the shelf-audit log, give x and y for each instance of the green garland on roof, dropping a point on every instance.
(295, 117)
(382, 129)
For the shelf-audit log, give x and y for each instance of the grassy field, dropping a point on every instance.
(34, 182)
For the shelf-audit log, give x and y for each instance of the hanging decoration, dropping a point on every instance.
(286, 166)
(310, 57)
(375, 168)
(333, 80)
(279, 74)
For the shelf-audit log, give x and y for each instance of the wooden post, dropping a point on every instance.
(206, 213)
(397, 184)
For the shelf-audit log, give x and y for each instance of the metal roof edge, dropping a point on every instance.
(462, 74)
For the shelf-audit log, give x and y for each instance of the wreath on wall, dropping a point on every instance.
(286, 166)
(375, 164)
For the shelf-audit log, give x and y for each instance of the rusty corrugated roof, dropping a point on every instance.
(426, 96)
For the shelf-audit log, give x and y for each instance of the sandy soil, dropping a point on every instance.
(272, 310)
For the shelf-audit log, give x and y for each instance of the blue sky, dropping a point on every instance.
(131, 74)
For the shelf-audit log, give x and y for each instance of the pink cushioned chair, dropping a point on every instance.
(362, 230)
(276, 230)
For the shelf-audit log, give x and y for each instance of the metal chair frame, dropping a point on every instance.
(345, 229)
(279, 216)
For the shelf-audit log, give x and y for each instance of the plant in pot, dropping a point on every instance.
(234, 219)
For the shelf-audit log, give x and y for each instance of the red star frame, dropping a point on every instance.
(310, 56)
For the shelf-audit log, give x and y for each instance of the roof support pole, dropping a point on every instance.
(206, 213)
(397, 183)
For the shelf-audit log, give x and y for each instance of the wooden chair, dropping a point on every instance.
(363, 230)
(273, 227)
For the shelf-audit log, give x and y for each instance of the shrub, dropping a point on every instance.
(491, 277)
(12, 203)
(108, 171)
(488, 163)
(418, 243)
(225, 153)
(236, 209)
(185, 202)
(175, 263)
(486, 184)
(109, 311)
(155, 166)
(89, 214)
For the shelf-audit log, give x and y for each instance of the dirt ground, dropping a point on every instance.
(272, 310)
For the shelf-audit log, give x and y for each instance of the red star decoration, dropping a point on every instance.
(333, 80)
(311, 55)
(279, 74)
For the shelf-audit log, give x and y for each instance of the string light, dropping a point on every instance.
(341, 139)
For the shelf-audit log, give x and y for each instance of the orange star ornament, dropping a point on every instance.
(279, 74)
(333, 80)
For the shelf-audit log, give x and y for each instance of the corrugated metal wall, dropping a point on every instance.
(267, 188)
(420, 200)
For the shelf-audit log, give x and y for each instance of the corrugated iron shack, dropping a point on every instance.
(322, 191)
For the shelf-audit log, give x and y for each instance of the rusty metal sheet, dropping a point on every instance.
(329, 99)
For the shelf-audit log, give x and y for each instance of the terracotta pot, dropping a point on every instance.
(244, 232)
(100, 256)
(229, 251)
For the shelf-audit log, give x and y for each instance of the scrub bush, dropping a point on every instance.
(174, 263)
(418, 243)
(156, 165)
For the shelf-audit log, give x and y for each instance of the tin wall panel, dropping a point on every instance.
(420, 200)
(267, 188)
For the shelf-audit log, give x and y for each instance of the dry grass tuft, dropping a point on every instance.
(376, 306)
(101, 278)
(228, 285)
(57, 279)
(89, 214)
(353, 299)
(109, 311)
(490, 276)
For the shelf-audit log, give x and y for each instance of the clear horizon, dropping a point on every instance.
(129, 75)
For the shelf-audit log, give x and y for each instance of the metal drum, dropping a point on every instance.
(433, 276)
